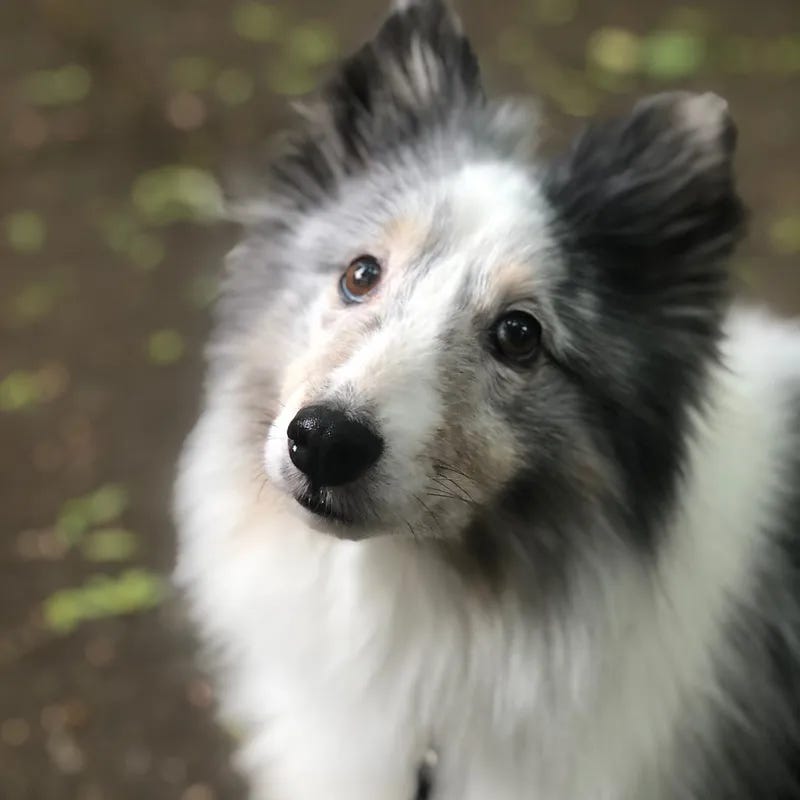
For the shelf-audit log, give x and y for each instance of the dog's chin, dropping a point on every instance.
(326, 517)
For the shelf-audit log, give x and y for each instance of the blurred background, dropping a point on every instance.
(120, 122)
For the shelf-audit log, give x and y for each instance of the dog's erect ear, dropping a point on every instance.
(652, 194)
(417, 73)
(418, 63)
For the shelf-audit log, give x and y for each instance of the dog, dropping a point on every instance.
(495, 493)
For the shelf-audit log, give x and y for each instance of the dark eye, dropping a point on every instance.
(359, 279)
(517, 337)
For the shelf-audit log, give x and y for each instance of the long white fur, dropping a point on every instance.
(348, 661)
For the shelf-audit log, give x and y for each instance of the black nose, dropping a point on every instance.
(330, 447)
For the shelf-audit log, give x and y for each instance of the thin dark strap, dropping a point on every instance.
(424, 784)
(425, 776)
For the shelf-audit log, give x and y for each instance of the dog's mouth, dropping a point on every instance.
(319, 503)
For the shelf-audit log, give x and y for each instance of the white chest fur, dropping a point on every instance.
(346, 662)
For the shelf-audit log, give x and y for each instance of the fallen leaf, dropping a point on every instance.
(673, 54)
(175, 193)
(234, 86)
(165, 347)
(614, 50)
(110, 544)
(57, 87)
(102, 596)
(257, 22)
(313, 44)
(784, 233)
(26, 231)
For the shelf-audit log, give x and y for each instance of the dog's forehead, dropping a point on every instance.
(487, 221)
(493, 199)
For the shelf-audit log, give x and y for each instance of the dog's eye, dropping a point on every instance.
(517, 337)
(359, 279)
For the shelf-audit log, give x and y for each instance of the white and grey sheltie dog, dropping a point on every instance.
(495, 496)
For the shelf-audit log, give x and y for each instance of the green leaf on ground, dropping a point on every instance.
(133, 591)
(62, 86)
(257, 22)
(21, 388)
(18, 390)
(146, 250)
(176, 193)
(614, 50)
(26, 231)
(110, 544)
(556, 12)
(35, 301)
(313, 44)
(673, 54)
(784, 233)
(165, 347)
(234, 86)
(290, 78)
(100, 507)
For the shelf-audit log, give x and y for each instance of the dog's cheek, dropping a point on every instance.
(498, 452)
(482, 453)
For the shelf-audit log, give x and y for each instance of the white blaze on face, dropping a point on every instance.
(394, 370)
(490, 203)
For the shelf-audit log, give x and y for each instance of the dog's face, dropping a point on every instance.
(423, 349)
(437, 328)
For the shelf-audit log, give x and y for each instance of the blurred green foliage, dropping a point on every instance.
(555, 12)
(165, 347)
(100, 507)
(614, 50)
(785, 233)
(26, 231)
(19, 390)
(175, 193)
(257, 22)
(234, 86)
(110, 544)
(671, 55)
(313, 44)
(57, 87)
(102, 596)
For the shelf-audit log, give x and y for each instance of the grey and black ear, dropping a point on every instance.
(417, 73)
(651, 196)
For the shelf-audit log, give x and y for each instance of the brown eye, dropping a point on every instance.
(517, 337)
(360, 278)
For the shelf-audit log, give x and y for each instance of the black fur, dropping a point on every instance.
(379, 100)
(647, 213)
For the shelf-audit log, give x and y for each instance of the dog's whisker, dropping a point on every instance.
(441, 482)
(441, 467)
(431, 514)
(445, 496)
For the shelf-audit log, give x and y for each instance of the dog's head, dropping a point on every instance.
(436, 327)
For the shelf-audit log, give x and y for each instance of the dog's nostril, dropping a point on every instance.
(330, 447)
(305, 425)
